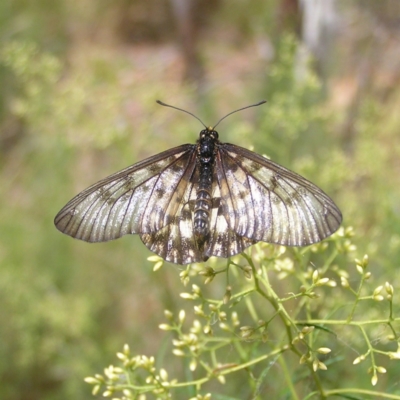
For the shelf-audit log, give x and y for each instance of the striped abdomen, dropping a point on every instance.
(202, 208)
(202, 213)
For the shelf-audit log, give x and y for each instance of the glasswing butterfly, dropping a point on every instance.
(200, 200)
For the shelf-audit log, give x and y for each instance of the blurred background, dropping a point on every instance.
(79, 80)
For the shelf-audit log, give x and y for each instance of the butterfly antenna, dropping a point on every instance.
(180, 109)
(240, 109)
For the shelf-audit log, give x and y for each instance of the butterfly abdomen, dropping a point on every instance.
(202, 206)
(202, 213)
(205, 162)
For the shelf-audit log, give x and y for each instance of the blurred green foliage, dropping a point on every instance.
(276, 332)
(75, 116)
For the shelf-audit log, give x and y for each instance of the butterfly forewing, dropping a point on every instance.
(270, 203)
(125, 202)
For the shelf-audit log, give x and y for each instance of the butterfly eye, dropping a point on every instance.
(214, 135)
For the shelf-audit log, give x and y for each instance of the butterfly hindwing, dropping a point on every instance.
(223, 241)
(175, 242)
(266, 202)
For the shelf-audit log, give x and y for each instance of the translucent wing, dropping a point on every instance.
(138, 199)
(253, 199)
(176, 241)
(263, 201)
(223, 241)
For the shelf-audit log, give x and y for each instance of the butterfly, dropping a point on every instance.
(200, 200)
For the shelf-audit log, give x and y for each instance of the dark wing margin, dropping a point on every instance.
(137, 199)
(263, 201)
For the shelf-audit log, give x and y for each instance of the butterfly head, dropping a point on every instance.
(207, 144)
(209, 133)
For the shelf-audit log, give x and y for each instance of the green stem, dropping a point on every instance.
(375, 395)
(357, 299)
(273, 299)
(343, 322)
(288, 378)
